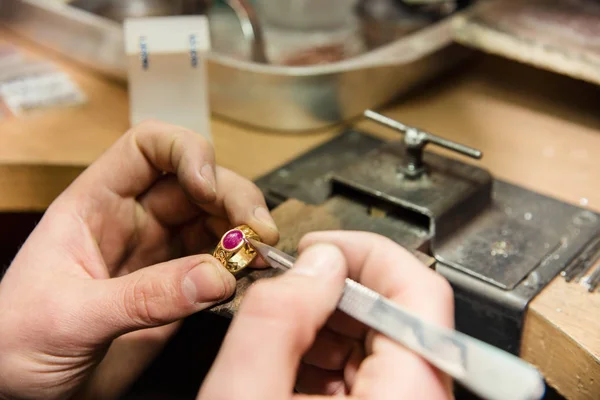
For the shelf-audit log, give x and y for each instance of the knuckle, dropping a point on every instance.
(204, 143)
(148, 125)
(244, 186)
(254, 194)
(153, 127)
(252, 187)
(140, 302)
(185, 139)
(197, 259)
(384, 241)
(174, 152)
(183, 134)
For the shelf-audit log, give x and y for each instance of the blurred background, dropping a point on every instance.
(518, 79)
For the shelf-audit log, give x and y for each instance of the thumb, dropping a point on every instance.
(275, 325)
(161, 294)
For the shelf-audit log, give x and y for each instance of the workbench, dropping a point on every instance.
(536, 129)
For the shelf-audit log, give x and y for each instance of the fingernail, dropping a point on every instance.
(264, 216)
(319, 260)
(207, 283)
(208, 174)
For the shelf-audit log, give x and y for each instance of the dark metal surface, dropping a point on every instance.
(498, 244)
(435, 196)
(496, 249)
(306, 177)
(554, 232)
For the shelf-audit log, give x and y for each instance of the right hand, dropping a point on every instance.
(288, 335)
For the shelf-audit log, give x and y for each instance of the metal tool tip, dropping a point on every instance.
(254, 243)
(259, 247)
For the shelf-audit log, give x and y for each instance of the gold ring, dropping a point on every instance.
(234, 251)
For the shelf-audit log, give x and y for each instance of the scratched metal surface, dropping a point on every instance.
(520, 231)
(448, 182)
(306, 177)
(492, 292)
(496, 248)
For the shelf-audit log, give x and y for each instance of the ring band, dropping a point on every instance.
(234, 251)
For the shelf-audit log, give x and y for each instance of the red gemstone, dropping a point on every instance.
(233, 239)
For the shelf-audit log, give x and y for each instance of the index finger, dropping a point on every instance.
(392, 371)
(384, 266)
(147, 151)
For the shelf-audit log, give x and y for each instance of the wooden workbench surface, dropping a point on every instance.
(535, 129)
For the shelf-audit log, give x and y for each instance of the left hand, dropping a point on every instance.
(98, 288)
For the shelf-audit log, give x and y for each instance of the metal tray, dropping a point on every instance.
(273, 97)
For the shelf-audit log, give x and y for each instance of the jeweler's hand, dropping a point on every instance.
(96, 290)
(286, 334)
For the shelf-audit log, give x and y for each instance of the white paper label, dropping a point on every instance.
(167, 74)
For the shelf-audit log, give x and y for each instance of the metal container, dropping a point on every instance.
(274, 97)
(307, 14)
(119, 10)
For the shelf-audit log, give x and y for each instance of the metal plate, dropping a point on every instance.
(447, 184)
(306, 177)
(497, 249)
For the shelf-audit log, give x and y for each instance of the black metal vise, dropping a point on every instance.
(498, 244)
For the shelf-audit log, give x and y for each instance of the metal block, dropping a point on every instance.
(498, 244)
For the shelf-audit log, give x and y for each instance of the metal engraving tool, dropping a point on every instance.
(484, 369)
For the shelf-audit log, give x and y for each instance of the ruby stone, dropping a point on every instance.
(233, 239)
